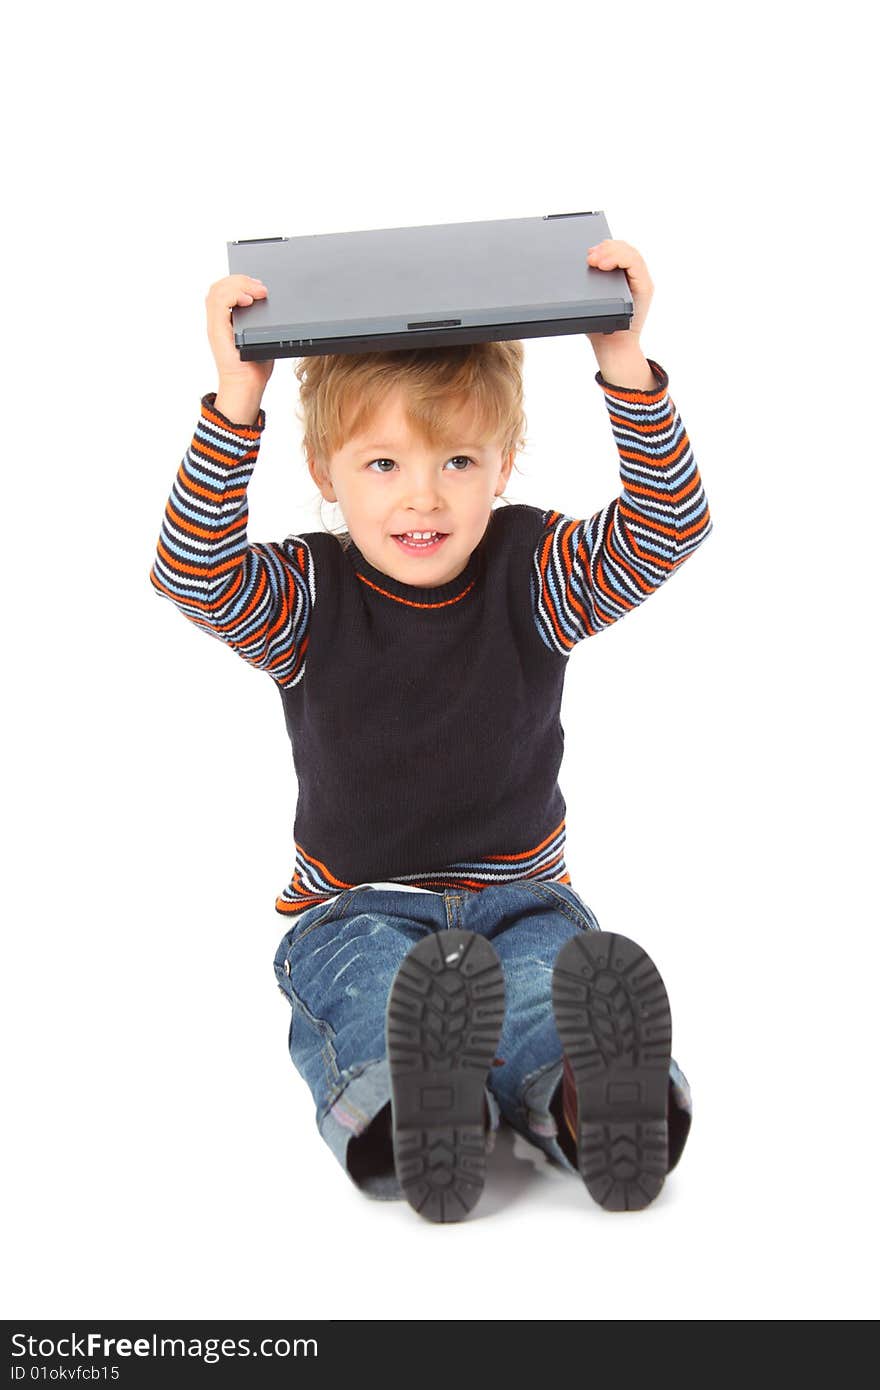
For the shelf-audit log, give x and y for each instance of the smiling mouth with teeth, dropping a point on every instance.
(420, 540)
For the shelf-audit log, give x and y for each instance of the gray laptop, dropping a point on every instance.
(405, 287)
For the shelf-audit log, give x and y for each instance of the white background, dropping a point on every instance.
(162, 1158)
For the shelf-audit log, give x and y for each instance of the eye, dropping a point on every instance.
(455, 459)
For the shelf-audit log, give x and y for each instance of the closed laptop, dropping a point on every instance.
(406, 287)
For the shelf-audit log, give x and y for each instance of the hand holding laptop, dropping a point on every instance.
(241, 384)
(619, 255)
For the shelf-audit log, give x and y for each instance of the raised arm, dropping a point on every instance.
(256, 598)
(588, 573)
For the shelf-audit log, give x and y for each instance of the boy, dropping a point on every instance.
(440, 967)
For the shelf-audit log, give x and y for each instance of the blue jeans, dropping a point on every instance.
(336, 966)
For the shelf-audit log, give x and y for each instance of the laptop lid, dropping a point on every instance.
(406, 287)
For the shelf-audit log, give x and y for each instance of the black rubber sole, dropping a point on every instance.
(613, 1019)
(442, 1025)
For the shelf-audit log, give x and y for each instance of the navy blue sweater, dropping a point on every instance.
(424, 723)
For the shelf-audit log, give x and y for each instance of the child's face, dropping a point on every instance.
(386, 482)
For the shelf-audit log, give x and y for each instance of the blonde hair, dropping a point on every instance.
(340, 392)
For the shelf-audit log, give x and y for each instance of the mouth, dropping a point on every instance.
(420, 543)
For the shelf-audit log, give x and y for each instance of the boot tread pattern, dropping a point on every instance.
(614, 1022)
(444, 1018)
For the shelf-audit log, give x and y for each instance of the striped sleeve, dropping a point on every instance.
(257, 598)
(587, 574)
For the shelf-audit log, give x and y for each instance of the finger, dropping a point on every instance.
(251, 285)
(235, 284)
(255, 289)
(620, 250)
(244, 297)
(619, 255)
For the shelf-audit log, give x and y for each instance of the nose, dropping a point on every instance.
(423, 495)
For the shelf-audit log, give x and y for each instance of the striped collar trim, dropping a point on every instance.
(414, 595)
